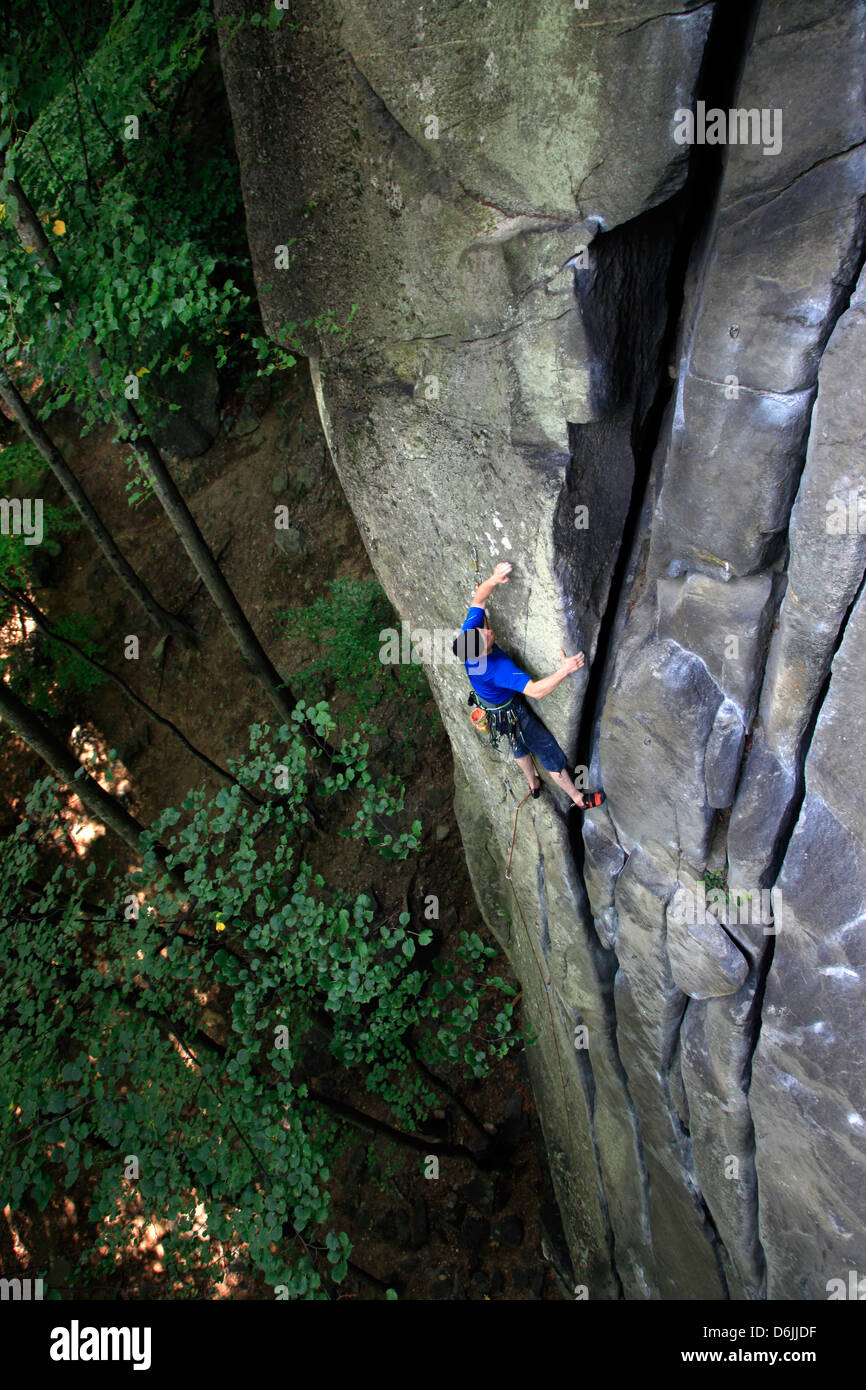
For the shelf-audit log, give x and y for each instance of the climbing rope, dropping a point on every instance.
(477, 579)
(514, 836)
(541, 972)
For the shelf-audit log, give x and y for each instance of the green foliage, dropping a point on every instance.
(275, 355)
(35, 53)
(134, 245)
(22, 474)
(374, 801)
(21, 465)
(43, 673)
(453, 1041)
(346, 624)
(147, 222)
(383, 1164)
(178, 1033)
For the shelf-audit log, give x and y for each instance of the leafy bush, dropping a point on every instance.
(44, 673)
(41, 672)
(346, 625)
(172, 1027)
(132, 240)
(22, 474)
(147, 221)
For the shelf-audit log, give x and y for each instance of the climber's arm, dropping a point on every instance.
(484, 590)
(538, 689)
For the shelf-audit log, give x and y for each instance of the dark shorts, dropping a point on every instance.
(532, 737)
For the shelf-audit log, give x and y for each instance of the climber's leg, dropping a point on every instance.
(563, 780)
(523, 758)
(527, 768)
(534, 735)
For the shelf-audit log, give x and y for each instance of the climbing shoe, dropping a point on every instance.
(537, 792)
(591, 800)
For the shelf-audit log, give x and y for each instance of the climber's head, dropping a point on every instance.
(473, 644)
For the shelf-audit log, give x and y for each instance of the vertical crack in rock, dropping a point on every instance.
(670, 1071)
(632, 298)
(813, 721)
(791, 815)
(631, 324)
(752, 1034)
(586, 1078)
(629, 301)
(786, 830)
(605, 965)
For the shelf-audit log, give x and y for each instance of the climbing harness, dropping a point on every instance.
(502, 723)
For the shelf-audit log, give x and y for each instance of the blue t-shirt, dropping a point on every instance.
(494, 677)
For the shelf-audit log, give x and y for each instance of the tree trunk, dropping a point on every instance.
(66, 766)
(30, 233)
(201, 555)
(165, 622)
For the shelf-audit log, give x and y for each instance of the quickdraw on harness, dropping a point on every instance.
(495, 721)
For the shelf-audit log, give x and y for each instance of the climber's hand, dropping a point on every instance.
(485, 589)
(570, 664)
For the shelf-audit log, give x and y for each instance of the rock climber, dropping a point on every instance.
(499, 686)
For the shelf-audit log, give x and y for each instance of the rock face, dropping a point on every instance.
(633, 368)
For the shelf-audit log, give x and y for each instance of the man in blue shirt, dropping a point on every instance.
(499, 685)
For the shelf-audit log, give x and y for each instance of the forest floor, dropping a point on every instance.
(467, 1234)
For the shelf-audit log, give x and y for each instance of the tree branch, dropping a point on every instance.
(41, 621)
